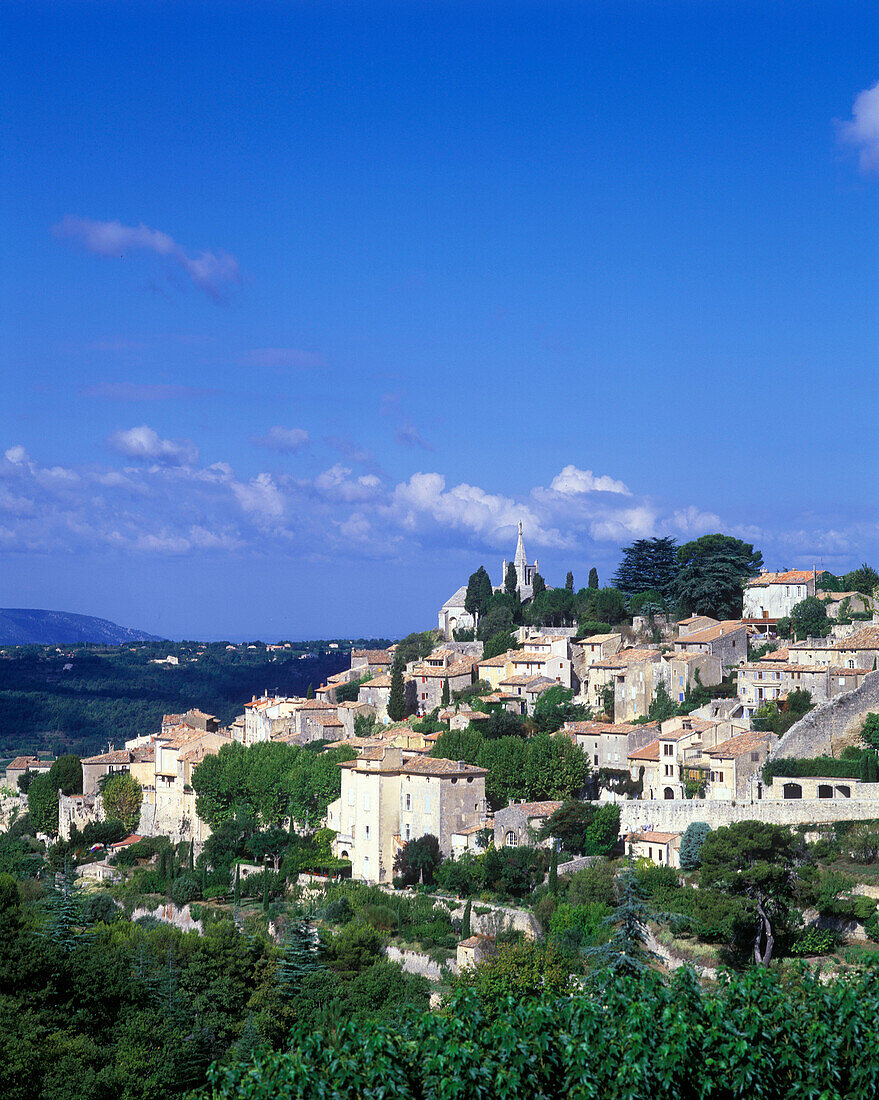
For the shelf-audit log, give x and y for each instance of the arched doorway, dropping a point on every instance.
(793, 790)
(668, 793)
(825, 790)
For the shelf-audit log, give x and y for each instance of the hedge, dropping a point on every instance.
(754, 1035)
(800, 767)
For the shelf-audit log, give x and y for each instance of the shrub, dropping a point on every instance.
(814, 941)
(100, 909)
(184, 889)
(381, 917)
(338, 911)
(691, 844)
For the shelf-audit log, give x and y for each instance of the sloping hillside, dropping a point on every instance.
(30, 626)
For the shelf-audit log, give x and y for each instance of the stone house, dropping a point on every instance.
(762, 682)
(430, 676)
(387, 799)
(682, 672)
(734, 763)
(517, 823)
(475, 950)
(675, 756)
(633, 673)
(137, 761)
(608, 744)
(859, 649)
(523, 692)
(597, 647)
(21, 764)
(773, 595)
(377, 662)
(854, 603)
(269, 717)
(663, 849)
(376, 693)
(694, 624)
(728, 641)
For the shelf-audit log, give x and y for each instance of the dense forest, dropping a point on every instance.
(79, 698)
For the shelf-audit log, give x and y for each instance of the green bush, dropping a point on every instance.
(184, 889)
(814, 941)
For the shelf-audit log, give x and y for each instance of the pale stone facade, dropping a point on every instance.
(728, 641)
(773, 595)
(387, 800)
(663, 849)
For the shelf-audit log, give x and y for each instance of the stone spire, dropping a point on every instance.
(521, 558)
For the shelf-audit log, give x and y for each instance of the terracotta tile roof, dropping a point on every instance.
(627, 657)
(652, 837)
(866, 638)
(596, 638)
(378, 682)
(838, 670)
(459, 668)
(711, 632)
(792, 576)
(529, 657)
(475, 941)
(536, 809)
(118, 756)
(737, 746)
(428, 765)
(487, 824)
(682, 655)
(521, 681)
(780, 654)
(648, 752)
(604, 727)
(21, 763)
(500, 661)
(326, 720)
(373, 656)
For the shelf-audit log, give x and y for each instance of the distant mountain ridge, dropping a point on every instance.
(32, 626)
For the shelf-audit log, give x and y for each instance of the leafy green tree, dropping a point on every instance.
(569, 581)
(712, 573)
(458, 745)
(418, 860)
(661, 706)
(554, 707)
(498, 644)
(505, 759)
(300, 956)
(511, 580)
(648, 565)
(24, 780)
(525, 973)
(42, 804)
(864, 580)
(568, 825)
(754, 862)
(538, 586)
(499, 618)
(870, 730)
(691, 845)
(809, 618)
(603, 830)
(555, 768)
(608, 701)
(123, 796)
(66, 774)
(606, 605)
(397, 709)
(593, 578)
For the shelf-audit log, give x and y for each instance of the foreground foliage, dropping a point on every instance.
(754, 1035)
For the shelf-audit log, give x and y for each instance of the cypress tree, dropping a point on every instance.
(569, 581)
(310, 692)
(237, 893)
(539, 586)
(192, 855)
(553, 883)
(397, 697)
(465, 921)
(445, 698)
(265, 887)
(511, 580)
(593, 577)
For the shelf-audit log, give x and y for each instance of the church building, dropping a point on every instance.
(454, 616)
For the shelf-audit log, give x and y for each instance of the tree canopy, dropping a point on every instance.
(712, 573)
(648, 565)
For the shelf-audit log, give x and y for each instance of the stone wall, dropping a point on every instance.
(833, 725)
(674, 815)
(11, 806)
(414, 962)
(79, 810)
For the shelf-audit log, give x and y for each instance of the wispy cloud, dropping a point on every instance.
(135, 391)
(145, 443)
(288, 440)
(863, 128)
(573, 481)
(281, 357)
(209, 271)
(409, 436)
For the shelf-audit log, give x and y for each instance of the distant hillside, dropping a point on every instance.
(30, 626)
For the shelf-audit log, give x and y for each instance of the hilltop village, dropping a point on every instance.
(700, 719)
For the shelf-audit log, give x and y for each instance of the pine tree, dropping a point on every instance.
(569, 581)
(265, 887)
(593, 577)
(65, 911)
(465, 921)
(192, 855)
(397, 697)
(626, 952)
(299, 956)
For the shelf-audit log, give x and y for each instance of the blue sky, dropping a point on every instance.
(306, 304)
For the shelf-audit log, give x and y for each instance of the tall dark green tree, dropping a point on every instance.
(299, 956)
(465, 921)
(538, 586)
(626, 952)
(713, 571)
(648, 565)
(397, 697)
(569, 581)
(593, 578)
(479, 590)
(511, 580)
(445, 697)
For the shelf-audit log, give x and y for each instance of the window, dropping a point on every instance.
(408, 801)
(511, 839)
(367, 832)
(668, 750)
(595, 758)
(350, 796)
(755, 756)
(408, 831)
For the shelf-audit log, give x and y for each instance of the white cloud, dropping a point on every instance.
(209, 271)
(693, 522)
(17, 455)
(145, 443)
(261, 497)
(863, 129)
(337, 484)
(288, 440)
(572, 480)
